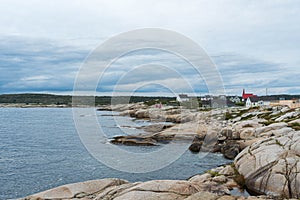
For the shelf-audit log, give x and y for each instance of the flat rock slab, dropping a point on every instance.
(77, 190)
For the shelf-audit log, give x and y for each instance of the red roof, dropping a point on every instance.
(247, 95)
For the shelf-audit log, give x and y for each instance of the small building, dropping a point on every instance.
(256, 102)
(251, 102)
(206, 98)
(235, 99)
(245, 95)
(182, 98)
(206, 103)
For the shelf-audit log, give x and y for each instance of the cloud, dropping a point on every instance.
(255, 44)
(35, 64)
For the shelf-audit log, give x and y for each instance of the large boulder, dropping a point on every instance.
(228, 133)
(195, 147)
(230, 149)
(272, 166)
(86, 189)
(141, 114)
(271, 127)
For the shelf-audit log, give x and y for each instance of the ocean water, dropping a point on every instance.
(40, 149)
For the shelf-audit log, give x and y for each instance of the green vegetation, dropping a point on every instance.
(239, 178)
(49, 99)
(232, 115)
(229, 116)
(247, 117)
(38, 99)
(213, 173)
(271, 118)
(266, 115)
(163, 100)
(295, 126)
(240, 103)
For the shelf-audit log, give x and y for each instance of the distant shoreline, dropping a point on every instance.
(11, 105)
(31, 100)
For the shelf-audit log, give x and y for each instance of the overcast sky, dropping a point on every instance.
(254, 44)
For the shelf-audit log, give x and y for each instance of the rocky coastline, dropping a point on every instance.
(263, 144)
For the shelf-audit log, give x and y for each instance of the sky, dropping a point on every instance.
(254, 45)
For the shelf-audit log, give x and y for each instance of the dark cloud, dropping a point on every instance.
(38, 65)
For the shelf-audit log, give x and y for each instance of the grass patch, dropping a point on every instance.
(247, 117)
(228, 116)
(239, 178)
(269, 122)
(295, 126)
(213, 173)
(232, 115)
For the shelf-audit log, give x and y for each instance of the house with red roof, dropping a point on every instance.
(245, 95)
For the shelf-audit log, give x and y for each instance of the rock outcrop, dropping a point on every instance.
(267, 139)
(272, 166)
(81, 190)
(216, 184)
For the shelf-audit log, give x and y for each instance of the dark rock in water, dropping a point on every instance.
(208, 145)
(195, 147)
(230, 150)
(134, 141)
(143, 140)
(198, 138)
(104, 109)
(163, 138)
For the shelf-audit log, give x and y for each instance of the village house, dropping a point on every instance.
(182, 98)
(206, 98)
(256, 102)
(245, 95)
(235, 99)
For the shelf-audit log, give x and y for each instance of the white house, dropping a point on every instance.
(251, 102)
(182, 98)
(235, 99)
(256, 102)
(206, 98)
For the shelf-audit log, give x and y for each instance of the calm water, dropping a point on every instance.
(40, 149)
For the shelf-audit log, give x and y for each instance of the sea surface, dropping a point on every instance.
(40, 149)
